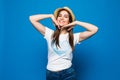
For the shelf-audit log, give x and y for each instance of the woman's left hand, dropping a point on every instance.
(70, 25)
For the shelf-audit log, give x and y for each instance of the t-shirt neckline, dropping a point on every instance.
(64, 34)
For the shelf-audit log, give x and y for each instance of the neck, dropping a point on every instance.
(64, 31)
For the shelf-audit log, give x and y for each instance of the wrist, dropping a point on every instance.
(76, 22)
(51, 15)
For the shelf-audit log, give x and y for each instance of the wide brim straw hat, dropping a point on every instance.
(65, 8)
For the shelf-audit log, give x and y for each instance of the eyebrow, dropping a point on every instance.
(64, 14)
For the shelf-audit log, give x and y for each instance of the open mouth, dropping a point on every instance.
(61, 22)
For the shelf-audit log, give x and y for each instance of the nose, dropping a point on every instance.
(61, 18)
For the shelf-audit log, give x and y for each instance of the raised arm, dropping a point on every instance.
(90, 29)
(34, 19)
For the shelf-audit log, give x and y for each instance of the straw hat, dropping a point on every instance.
(66, 8)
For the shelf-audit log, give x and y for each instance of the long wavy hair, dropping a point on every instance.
(56, 34)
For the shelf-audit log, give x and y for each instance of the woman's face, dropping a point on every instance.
(63, 18)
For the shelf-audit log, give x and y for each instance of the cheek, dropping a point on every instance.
(67, 20)
(58, 19)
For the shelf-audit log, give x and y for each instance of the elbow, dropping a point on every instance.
(33, 19)
(95, 29)
(30, 18)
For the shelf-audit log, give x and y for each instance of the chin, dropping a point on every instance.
(63, 24)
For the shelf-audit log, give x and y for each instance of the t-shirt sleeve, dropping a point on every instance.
(76, 38)
(48, 33)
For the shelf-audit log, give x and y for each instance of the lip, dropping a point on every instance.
(62, 22)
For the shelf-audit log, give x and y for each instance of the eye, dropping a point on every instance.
(66, 16)
(59, 15)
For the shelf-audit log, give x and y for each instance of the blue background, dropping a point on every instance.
(23, 50)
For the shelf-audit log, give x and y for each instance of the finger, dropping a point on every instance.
(64, 27)
(55, 23)
(70, 28)
(58, 26)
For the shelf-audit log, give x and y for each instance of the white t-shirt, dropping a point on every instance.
(59, 58)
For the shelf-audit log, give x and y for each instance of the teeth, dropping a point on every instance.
(61, 21)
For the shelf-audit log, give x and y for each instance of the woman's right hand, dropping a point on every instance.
(55, 21)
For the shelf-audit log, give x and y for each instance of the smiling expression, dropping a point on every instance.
(63, 18)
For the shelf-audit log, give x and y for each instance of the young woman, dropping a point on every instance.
(61, 42)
